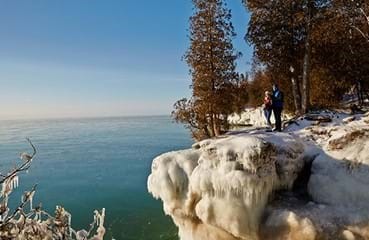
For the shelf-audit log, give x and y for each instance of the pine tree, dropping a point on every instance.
(211, 59)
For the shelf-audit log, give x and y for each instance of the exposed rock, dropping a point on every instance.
(349, 119)
(318, 117)
(349, 137)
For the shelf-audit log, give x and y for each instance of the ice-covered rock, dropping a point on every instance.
(169, 179)
(349, 119)
(221, 186)
(250, 116)
(286, 225)
(340, 173)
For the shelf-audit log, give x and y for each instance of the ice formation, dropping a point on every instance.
(286, 225)
(35, 223)
(339, 179)
(220, 187)
(9, 185)
(252, 117)
(340, 173)
(223, 188)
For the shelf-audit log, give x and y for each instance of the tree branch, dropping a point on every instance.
(24, 167)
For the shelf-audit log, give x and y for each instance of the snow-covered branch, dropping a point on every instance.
(29, 222)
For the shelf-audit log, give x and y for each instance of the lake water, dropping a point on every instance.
(87, 164)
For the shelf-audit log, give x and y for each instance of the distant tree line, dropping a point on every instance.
(315, 50)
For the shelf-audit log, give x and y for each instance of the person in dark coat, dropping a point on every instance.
(277, 106)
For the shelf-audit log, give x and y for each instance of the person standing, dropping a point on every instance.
(277, 106)
(267, 107)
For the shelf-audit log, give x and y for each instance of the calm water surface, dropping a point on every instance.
(87, 164)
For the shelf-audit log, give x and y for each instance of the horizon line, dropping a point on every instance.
(81, 117)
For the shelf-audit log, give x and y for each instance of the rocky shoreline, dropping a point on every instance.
(309, 182)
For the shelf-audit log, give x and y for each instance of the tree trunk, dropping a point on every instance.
(296, 94)
(307, 61)
(358, 92)
(295, 84)
(306, 79)
(361, 92)
(212, 123)
(216, 125)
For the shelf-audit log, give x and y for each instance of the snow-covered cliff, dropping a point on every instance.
(310, 182)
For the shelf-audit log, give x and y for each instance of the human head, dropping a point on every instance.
(267, 93)
(275, 87)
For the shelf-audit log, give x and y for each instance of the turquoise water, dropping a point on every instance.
(87, 164)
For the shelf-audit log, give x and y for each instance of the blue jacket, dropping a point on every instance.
(277, 99)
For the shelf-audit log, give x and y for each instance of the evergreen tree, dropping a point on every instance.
(211, 59)
(276, 30)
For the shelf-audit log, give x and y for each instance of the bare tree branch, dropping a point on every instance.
(362, 33)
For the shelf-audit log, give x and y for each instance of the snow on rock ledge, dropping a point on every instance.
(340, 173)
(252, 117)
(219, 188)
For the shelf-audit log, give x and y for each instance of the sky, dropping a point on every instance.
(91, 58)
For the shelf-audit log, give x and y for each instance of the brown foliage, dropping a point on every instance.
(257, 87)
(339, 55)
(216, 88)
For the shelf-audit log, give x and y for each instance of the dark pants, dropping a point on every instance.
(277, 111)
(268, 114)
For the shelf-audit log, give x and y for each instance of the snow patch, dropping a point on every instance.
(252, 117)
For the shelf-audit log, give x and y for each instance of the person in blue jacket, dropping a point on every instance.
(277, 106)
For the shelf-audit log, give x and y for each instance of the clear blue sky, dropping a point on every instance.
(76, 58)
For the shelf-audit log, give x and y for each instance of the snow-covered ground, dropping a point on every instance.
(252, 117)
(309, 182)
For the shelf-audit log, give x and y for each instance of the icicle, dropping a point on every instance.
(39, 216)
(3, 189)
(69, 220)
(11, 184)
(16, 181)
(69, 224)
(31, 200)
